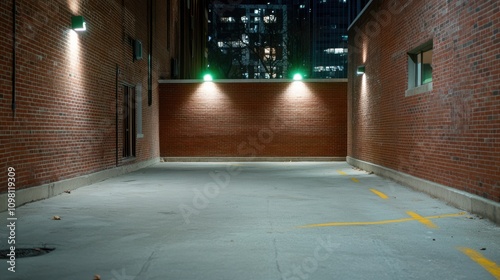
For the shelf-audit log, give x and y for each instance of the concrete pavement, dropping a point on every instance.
(253, 220)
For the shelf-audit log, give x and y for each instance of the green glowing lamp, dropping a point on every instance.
(297, 77)
(208, 78)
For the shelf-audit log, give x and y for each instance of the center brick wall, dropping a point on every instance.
(272, 119)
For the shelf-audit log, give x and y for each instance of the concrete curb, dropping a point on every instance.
(249, 159)
(28, 195)
(460, 199)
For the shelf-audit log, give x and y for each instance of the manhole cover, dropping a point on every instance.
(26, 252)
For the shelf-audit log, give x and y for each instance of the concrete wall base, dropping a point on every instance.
(469, 202)
(249, 159)
(28, 195)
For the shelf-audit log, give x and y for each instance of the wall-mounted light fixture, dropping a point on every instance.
(78, 23)
(207, 78)
(360, 70)
(297, 77)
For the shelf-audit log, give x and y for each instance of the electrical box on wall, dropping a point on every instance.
(137, 50)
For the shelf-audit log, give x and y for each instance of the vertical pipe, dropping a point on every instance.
(116, 115)
(14, 21)
(150, 54)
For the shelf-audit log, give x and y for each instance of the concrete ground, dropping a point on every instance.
(251, 221)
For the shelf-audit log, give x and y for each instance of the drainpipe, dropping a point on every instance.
(150, 54)
(14, 21)
(116, 116)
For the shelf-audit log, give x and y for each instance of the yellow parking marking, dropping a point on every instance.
(487, 264)
(421, 219)
(355, 180)
(379, 193)
(340, 224)
(341, 172)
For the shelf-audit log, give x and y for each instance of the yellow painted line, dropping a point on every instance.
(355, 180)
(421, 219)
(490, 266)
(341, 172)
(340, 224)
(379, 193)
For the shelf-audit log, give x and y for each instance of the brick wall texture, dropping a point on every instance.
(450, 135)
(281, 119)
(66, 84)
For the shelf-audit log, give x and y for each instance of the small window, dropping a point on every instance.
(420, 66)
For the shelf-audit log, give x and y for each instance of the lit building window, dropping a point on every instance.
(270, 19)
(269, 54)
(227, 19)
(336, 50)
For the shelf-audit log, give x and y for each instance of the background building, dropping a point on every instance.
(329, 38)
(248, 41)
(276, 38)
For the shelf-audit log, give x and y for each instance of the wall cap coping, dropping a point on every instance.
(239, 81)
(359, 15)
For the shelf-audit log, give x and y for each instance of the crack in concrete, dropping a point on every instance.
(145, 267)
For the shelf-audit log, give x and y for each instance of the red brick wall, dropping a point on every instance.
(65, 121)
(281, 119)
(450, 135)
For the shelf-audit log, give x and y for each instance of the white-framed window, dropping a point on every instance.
(420, 69)
(420, 66)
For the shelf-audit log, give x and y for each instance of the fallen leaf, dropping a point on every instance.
(56, 218)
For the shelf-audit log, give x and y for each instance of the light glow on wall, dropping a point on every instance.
(365, 51)
(210, 93)
(363, 96)
(297, 90)
(74, 6)
(73, 54)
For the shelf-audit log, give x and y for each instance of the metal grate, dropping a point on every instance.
(25, 252)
